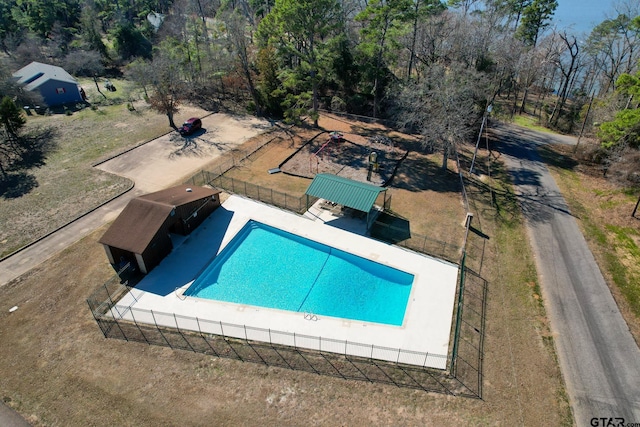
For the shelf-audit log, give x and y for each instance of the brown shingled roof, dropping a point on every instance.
(143, 216)
(176, 196)
(136, 225)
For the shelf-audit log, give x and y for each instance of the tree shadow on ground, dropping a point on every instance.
(37, 145)
(525, 195)
(17, 184)
(403, 143)
(551, 148)
(555, 158)
(417, 173)
(506, 205)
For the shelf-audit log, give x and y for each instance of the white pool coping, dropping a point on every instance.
(424, 337)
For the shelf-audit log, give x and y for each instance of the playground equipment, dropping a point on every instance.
(334, 137)
(373, 164)
(373, 161)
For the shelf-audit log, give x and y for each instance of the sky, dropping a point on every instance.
(582, 15)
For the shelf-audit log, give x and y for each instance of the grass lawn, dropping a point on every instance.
(58, 369)
(530, 122)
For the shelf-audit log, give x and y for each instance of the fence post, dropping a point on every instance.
(454, 352)
(175, 319)
(205, 339)
(467, 225)
(111, 304)
(158, 328)
(135, 322)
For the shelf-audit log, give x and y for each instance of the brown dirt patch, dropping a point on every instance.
(346, 155)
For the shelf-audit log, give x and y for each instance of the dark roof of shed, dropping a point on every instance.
(344, 191)
(37, 73)
(136, 225)
(143, 216)
(180, 195)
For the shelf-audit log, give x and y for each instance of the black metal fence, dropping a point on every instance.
(416, 242)
(285, 350)
(469, 326)
(299, 204)
(270, 196)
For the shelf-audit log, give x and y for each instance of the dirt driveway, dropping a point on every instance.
(172, 157)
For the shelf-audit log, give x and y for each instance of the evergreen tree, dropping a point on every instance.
(301, 31)
(535, 18)
(624, 129)
(11, 118)
(385, 21)
(12, 121)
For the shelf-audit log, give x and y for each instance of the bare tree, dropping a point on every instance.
(138, 71)
(421, 10)
(164, 76)
(568, 64)
(237, 31)
(442, 107)
(431, 44)
(614, 45)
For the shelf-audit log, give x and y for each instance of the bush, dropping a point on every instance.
(338, 105)
(592, 154)
(623, 129)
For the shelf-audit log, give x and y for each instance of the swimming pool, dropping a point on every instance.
(268, 267)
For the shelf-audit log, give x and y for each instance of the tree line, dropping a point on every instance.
(432, 67)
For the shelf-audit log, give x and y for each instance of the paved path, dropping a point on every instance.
(598, 356)
(154, 166)
(10, 418)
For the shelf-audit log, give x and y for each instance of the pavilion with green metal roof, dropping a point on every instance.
(344, 191)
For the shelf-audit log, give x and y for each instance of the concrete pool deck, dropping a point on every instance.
(424, 337)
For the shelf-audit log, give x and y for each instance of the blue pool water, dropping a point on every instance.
(267, 267)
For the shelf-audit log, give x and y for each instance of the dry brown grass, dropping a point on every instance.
(58, 370)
